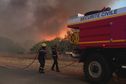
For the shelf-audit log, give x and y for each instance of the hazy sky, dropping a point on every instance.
(29, 21)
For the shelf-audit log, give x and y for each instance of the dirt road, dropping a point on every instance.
(11, 72)
(16, 76)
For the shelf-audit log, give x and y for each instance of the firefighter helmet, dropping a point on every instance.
(43, 45)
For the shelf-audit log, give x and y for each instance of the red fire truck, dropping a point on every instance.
(102, 42)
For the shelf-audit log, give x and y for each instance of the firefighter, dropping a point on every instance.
(41, 57)
(55, 59)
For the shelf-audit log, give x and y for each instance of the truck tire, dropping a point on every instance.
(97, 70)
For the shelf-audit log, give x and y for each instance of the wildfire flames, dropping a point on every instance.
(61, 34)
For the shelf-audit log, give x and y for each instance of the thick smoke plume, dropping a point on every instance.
(28, 21)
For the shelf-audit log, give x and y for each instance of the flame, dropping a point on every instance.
(49, 38)
(61, 34)
(118, 4)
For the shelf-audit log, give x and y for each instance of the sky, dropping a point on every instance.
(118, 4)
(27, 22)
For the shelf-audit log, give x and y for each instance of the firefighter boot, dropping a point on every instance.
(41, 70)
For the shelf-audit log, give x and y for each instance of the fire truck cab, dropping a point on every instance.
(102, 42)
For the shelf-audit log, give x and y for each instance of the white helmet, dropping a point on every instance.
(43, 45)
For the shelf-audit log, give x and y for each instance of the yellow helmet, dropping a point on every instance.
(43, 45)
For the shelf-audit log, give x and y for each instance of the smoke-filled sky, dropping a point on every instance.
(29, 21)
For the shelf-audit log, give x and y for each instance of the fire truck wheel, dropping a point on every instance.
(97, 69)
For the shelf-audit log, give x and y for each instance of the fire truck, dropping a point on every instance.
(102, 43)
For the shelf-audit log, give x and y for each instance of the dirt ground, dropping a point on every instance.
(16, 76)
(13, 70)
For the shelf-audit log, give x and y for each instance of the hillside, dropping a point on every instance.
(7, 45)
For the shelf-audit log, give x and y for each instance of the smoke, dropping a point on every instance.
(28, 21)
